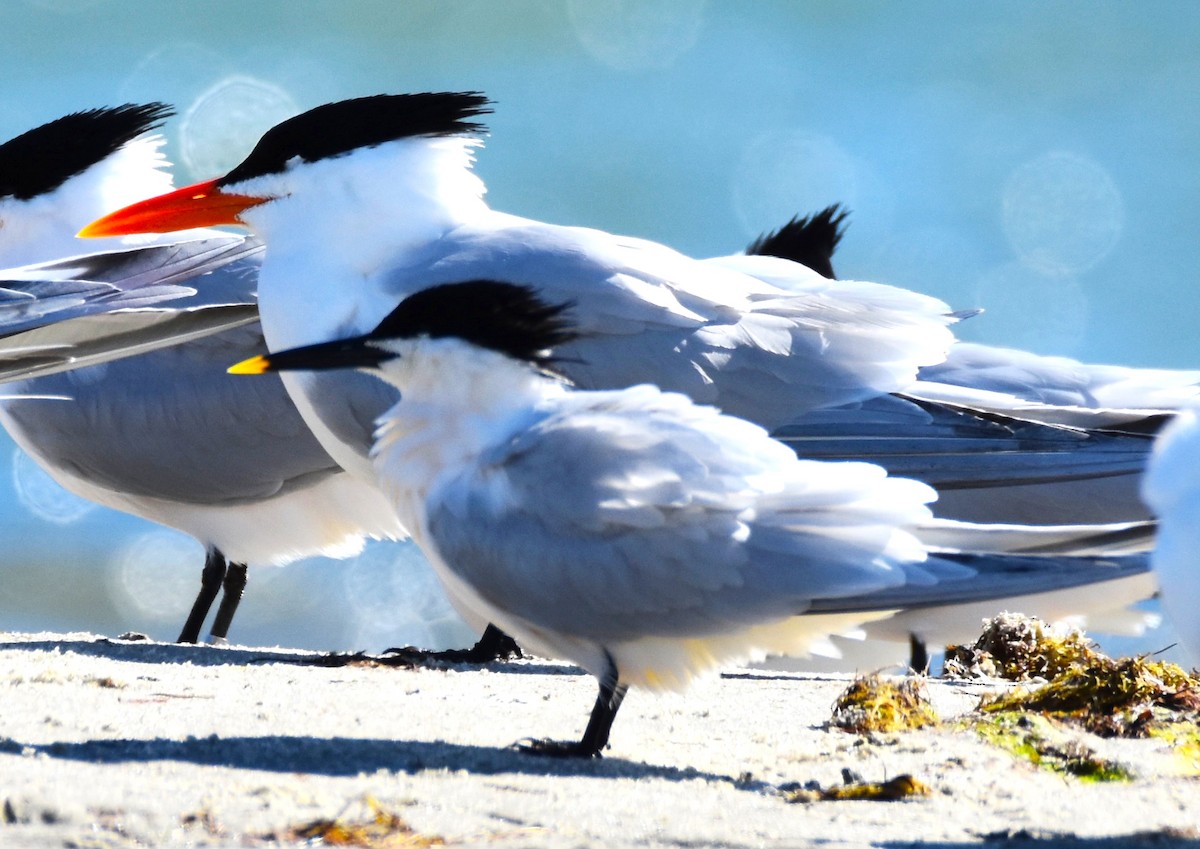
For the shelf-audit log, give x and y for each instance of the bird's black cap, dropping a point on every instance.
(348, 125)
(39, 161)
(498, 316)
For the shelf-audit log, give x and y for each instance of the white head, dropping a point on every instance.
(343, 170)
(59, 176)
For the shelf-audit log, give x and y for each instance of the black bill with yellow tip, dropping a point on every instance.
(355, 352)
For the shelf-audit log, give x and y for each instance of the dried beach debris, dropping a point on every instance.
(1019, 648)
(382, 830)
(892, 790)
(874, 704)
(1110, 698)
(205, 820)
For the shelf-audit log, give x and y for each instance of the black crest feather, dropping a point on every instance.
(809, 240)
(503, 317)
(44, 158)
(347, 125)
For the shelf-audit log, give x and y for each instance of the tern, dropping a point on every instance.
(642, 536)
(167, 435)
(1052, 389)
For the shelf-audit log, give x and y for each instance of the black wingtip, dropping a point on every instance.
(338, 128)
(39, 161)
(809, 240)
(499, 316)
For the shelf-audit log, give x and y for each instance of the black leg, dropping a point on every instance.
(918, 657)
(235, 584)
(493, 645)
(595, 737)
(210, 585)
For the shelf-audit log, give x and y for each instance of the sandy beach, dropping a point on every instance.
(113, 743)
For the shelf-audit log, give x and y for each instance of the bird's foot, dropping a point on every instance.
(556, 748)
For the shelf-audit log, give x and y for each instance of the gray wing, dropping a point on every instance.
(26, 304)
(1086, 394)
(635, 513)
(1082, 540)
(349, 404)
(172, 424)
(185, 262)
(995, 577)
(96, 307)
(986, 466)
(91, 339)
(714, 331)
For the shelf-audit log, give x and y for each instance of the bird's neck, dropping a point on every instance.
(457, 405)
(341, 224)
(363, 210)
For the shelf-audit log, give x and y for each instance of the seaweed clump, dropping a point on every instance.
(1066, 682)
(381, 830)
(892, 790)
(873, 704)
(1072, 681)
(1045, 744)
(1018, 648)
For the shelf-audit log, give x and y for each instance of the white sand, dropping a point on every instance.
(104, 743)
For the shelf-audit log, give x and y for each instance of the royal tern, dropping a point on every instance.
(1068, 453)
(1051, 389)
(640, 535)
(167, 435)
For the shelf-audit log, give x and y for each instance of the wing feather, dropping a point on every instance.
(726, 333)
(630, 514)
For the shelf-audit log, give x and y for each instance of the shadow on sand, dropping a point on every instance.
(139, 651)
(348, 756)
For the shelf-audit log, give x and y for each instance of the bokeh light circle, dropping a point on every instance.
(222, 125)
(156, 575)
(395, 599)
(636, 35)
(781, 174)
(1062, 212)
(41, 495)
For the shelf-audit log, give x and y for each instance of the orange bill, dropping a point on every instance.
(199, 205)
